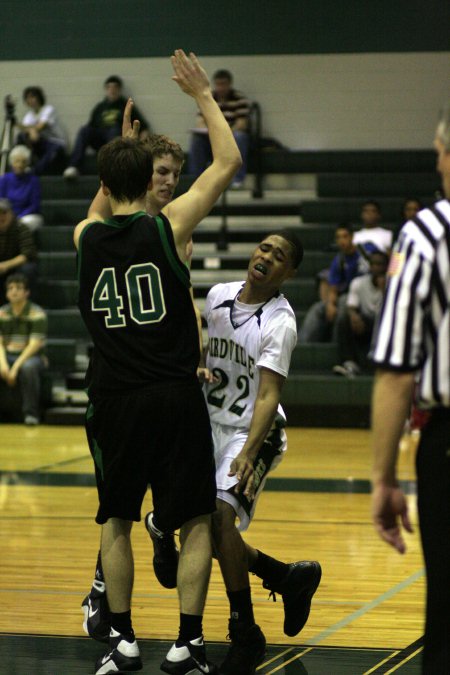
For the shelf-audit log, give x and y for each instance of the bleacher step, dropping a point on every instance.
(69, 397)
(76, 380)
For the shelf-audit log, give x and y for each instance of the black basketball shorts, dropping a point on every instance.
(160, 437)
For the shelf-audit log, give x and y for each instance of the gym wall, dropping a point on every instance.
(350, 74)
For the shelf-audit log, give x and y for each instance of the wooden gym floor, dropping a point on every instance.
(366, 617)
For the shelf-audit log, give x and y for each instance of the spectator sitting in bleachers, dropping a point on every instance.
(22, 188)
(372, 237)
(17, 248)
(23, 329)
(410, 207)
(41, 132)
(319, 324)
(105, 123)
(355, 325)
(236, 109)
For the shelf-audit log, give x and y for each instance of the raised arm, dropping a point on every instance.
(189, 209)
(99, 209)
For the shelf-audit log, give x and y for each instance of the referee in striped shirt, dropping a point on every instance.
(413, 344)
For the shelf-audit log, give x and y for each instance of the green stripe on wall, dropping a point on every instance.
(63, 29)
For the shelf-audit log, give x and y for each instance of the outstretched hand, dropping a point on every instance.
(189, 74)
(129, 129)
(389, 509)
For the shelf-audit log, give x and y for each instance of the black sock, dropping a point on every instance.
(190, 627)
(99, 569)
(268, 568)
(121, 622)
(241, 608)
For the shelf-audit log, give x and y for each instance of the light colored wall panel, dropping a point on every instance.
(342, 101)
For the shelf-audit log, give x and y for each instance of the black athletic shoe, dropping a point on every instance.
(188, 657)
(165, 558)
(123, 658)
(247, 649)
(297, 588)
(96, 613)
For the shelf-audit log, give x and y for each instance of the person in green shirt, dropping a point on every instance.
(23, 329)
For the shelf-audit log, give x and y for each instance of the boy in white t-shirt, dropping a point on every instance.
(355, 326)
(372, 237)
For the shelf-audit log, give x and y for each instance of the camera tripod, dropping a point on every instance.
(7, 134)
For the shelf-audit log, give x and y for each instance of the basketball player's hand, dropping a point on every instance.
(242, 468)
(205, 375)
(389, 510)
(189, 74)
(130, 130)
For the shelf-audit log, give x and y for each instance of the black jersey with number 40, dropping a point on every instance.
(134, 299)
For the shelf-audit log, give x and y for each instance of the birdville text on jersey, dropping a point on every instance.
(229, 349)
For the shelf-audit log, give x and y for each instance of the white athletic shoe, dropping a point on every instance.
(123, 657)
(187, 658)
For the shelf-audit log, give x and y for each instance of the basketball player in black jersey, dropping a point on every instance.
(298, 580)
(135, 301)
(168, 158)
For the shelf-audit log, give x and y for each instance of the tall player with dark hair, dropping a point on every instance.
(134, 298)
(168, 158)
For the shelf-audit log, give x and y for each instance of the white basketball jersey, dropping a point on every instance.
(243, 339)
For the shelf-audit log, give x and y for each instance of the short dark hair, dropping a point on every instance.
(380, 254)
(34, 91)
(372, 202)
(163, 145)
(411, 199)
(296, 245)
(125, 166)
(113, 79)
(17, 278)
(223, 74)
(344, 226)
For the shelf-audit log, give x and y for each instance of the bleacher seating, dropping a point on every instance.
(312, 395)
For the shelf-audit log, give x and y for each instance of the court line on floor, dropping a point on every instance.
(402, 663)
(323, 635)
(291, 660)
(398, 659)
(276, 657)
(46, 467)
(381, 663)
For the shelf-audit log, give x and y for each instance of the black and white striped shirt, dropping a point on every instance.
(414, 326)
